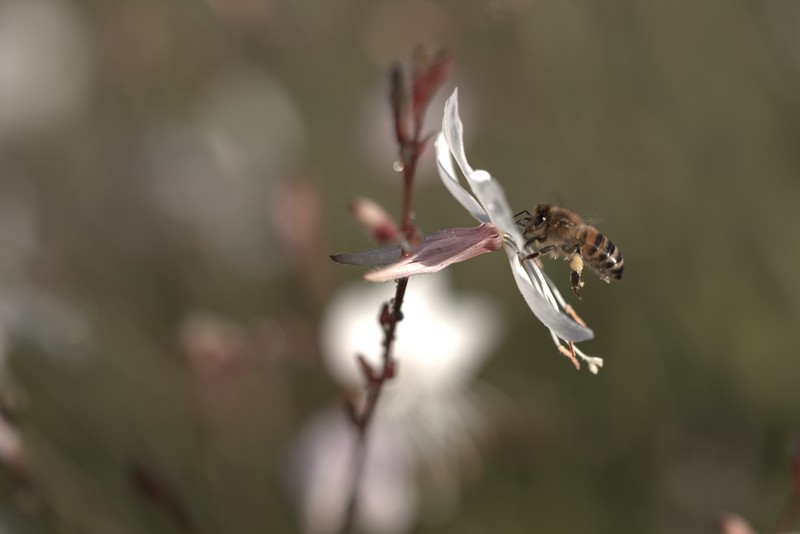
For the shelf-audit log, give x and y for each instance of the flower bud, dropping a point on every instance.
(374, 220)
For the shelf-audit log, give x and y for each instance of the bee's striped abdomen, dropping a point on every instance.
(602, 255)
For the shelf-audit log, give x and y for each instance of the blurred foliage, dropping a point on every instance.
(162, 312)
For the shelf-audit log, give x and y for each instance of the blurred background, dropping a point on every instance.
(173, 176)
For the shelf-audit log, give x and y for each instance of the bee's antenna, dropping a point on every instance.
(525, 219)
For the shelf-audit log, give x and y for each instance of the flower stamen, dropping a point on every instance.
(570, 353)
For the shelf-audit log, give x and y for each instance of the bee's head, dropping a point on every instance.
(537, 225)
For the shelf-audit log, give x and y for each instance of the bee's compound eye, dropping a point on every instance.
(539, 220)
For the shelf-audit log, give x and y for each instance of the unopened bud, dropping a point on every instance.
(733, 524)
(428, 77)
(399, 101)
(374, 220)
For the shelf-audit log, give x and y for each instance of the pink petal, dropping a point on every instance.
(441, 249)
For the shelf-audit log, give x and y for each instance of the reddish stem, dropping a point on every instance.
(790, 516)
(427, 78)
(409, 169)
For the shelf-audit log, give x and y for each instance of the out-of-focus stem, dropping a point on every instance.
(409, 169)
(374, 389)
(427, 78)
(791, 514)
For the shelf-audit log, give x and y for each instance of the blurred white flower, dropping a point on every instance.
(251, 120)
(387, 500)
(20, 215)
(389, 29)
(441, 341)
(215, 175)
(54, 324)
(428, 413)
(212, 344)
(44, 64)
(12, 455)
(379, 146)
(491, 206)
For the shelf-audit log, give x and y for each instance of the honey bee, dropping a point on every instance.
(559, 231)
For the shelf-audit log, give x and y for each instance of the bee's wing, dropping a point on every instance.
(592, 219)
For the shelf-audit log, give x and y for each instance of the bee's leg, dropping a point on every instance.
(575, 281)
(541, 252)
(576, 264)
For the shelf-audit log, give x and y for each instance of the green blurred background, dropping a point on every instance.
(174, 174)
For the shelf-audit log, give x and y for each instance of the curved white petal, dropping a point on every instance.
(322, 473)
(491, 195)
(454, 132)
(557, 322)
(447, 173)
(489, 192)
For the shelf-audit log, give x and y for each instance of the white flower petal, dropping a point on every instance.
(491, 195)
(489, 192)
(454, 132)
(321, 471)
(442, 334)
(447, 173)
(551, 288)
(557, 322)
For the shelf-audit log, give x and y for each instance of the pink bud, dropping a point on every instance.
(427, 77)
(399, 101)
(733, 524)
(374, 220)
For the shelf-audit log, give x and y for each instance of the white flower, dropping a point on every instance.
(441, 343)
(45, 65)
(428, 417)
(490, 205)
(323, 470)
(58, 327)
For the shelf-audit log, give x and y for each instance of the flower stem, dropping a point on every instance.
(790, 516)
(427, 78)
(374, 388)
(409, 169)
